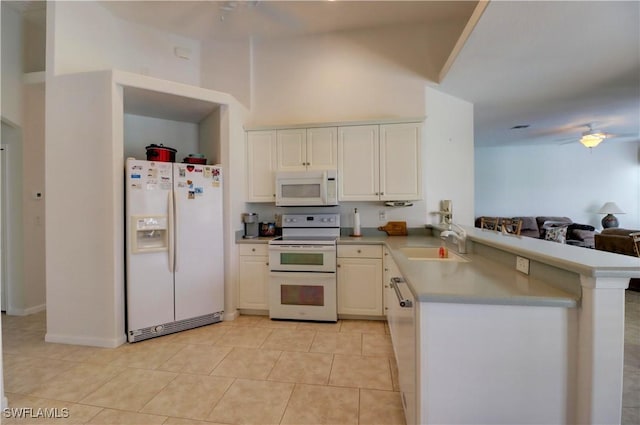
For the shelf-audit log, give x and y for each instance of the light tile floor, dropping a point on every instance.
(248, 371)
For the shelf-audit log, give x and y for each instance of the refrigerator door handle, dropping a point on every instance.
(176, 232)
(171, 225)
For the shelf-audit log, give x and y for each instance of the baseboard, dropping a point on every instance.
(228, 316)
(26, 311)
(81, 340)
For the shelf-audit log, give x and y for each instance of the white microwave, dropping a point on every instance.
(306, 188)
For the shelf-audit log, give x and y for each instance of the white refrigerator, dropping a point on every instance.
(174, 252)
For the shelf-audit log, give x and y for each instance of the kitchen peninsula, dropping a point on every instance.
(494, 345)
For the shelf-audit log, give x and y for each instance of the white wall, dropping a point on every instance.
(84, 274)
(448, 159)
(33, 180)
(35, 40)
(333, 77)
(12, 37)
(226, 67)
(567, 180)
(140, 131)
(87, 37)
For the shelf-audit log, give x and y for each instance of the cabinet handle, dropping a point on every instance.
(337, 265)
(386, 270)
(381, 193)
(253, 250)
(359, 251)
(267, 264)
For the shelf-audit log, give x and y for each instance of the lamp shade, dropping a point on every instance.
(610, 208)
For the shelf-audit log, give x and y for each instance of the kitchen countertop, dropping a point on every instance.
(482, 280)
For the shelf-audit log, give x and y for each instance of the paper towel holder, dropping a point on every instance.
(356, 224)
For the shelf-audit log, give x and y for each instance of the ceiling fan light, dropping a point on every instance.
(592, 140)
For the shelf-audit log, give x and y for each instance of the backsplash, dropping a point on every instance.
(415, 216)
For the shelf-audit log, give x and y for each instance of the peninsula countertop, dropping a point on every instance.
(477, 281)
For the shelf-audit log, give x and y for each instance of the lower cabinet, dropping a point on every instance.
(253, 284)
(360, 280)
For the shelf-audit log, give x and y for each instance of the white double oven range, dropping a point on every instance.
(302, 268)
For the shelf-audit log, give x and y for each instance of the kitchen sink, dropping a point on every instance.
(427, 253)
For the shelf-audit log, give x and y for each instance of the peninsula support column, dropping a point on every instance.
(600, 350)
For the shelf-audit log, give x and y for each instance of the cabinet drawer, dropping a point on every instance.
(360, 251)
(253, 249)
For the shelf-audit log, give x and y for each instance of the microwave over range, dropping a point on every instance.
(307, 188)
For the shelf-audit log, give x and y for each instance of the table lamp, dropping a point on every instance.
(609, 220)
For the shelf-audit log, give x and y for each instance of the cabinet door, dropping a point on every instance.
(253, 284)
(360, 286)
(292, 150)
(358, 163)
(261, 164)
(322, 148)
(400, 162)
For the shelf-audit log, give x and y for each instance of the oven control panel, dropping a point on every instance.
(311, 220)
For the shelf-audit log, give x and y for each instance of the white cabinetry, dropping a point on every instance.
(380, 162)
(400, 162)
(307, 149)
(261, 166)
(253, 285)
(360, 280)
(390, 269)
(358, 163)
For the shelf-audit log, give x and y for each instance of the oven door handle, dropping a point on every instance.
(404, 302)
(301, 275)
(303, 248)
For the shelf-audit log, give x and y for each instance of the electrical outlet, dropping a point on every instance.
(522, 265)
(382, 215)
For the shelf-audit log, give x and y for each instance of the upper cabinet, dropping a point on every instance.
(261, 166)
(375, 162)
(307, 149)
(358, 163)
(380, 162)
(400, 162)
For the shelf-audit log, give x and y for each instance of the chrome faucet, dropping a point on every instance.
(459, 236)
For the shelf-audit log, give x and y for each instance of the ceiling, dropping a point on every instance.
(231, 20)
(555, 66)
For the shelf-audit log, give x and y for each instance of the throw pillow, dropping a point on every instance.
(556, 234)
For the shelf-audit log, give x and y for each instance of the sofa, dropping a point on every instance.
(539, 228)
(618, 241)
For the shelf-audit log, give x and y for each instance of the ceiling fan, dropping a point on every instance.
(593, 137)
